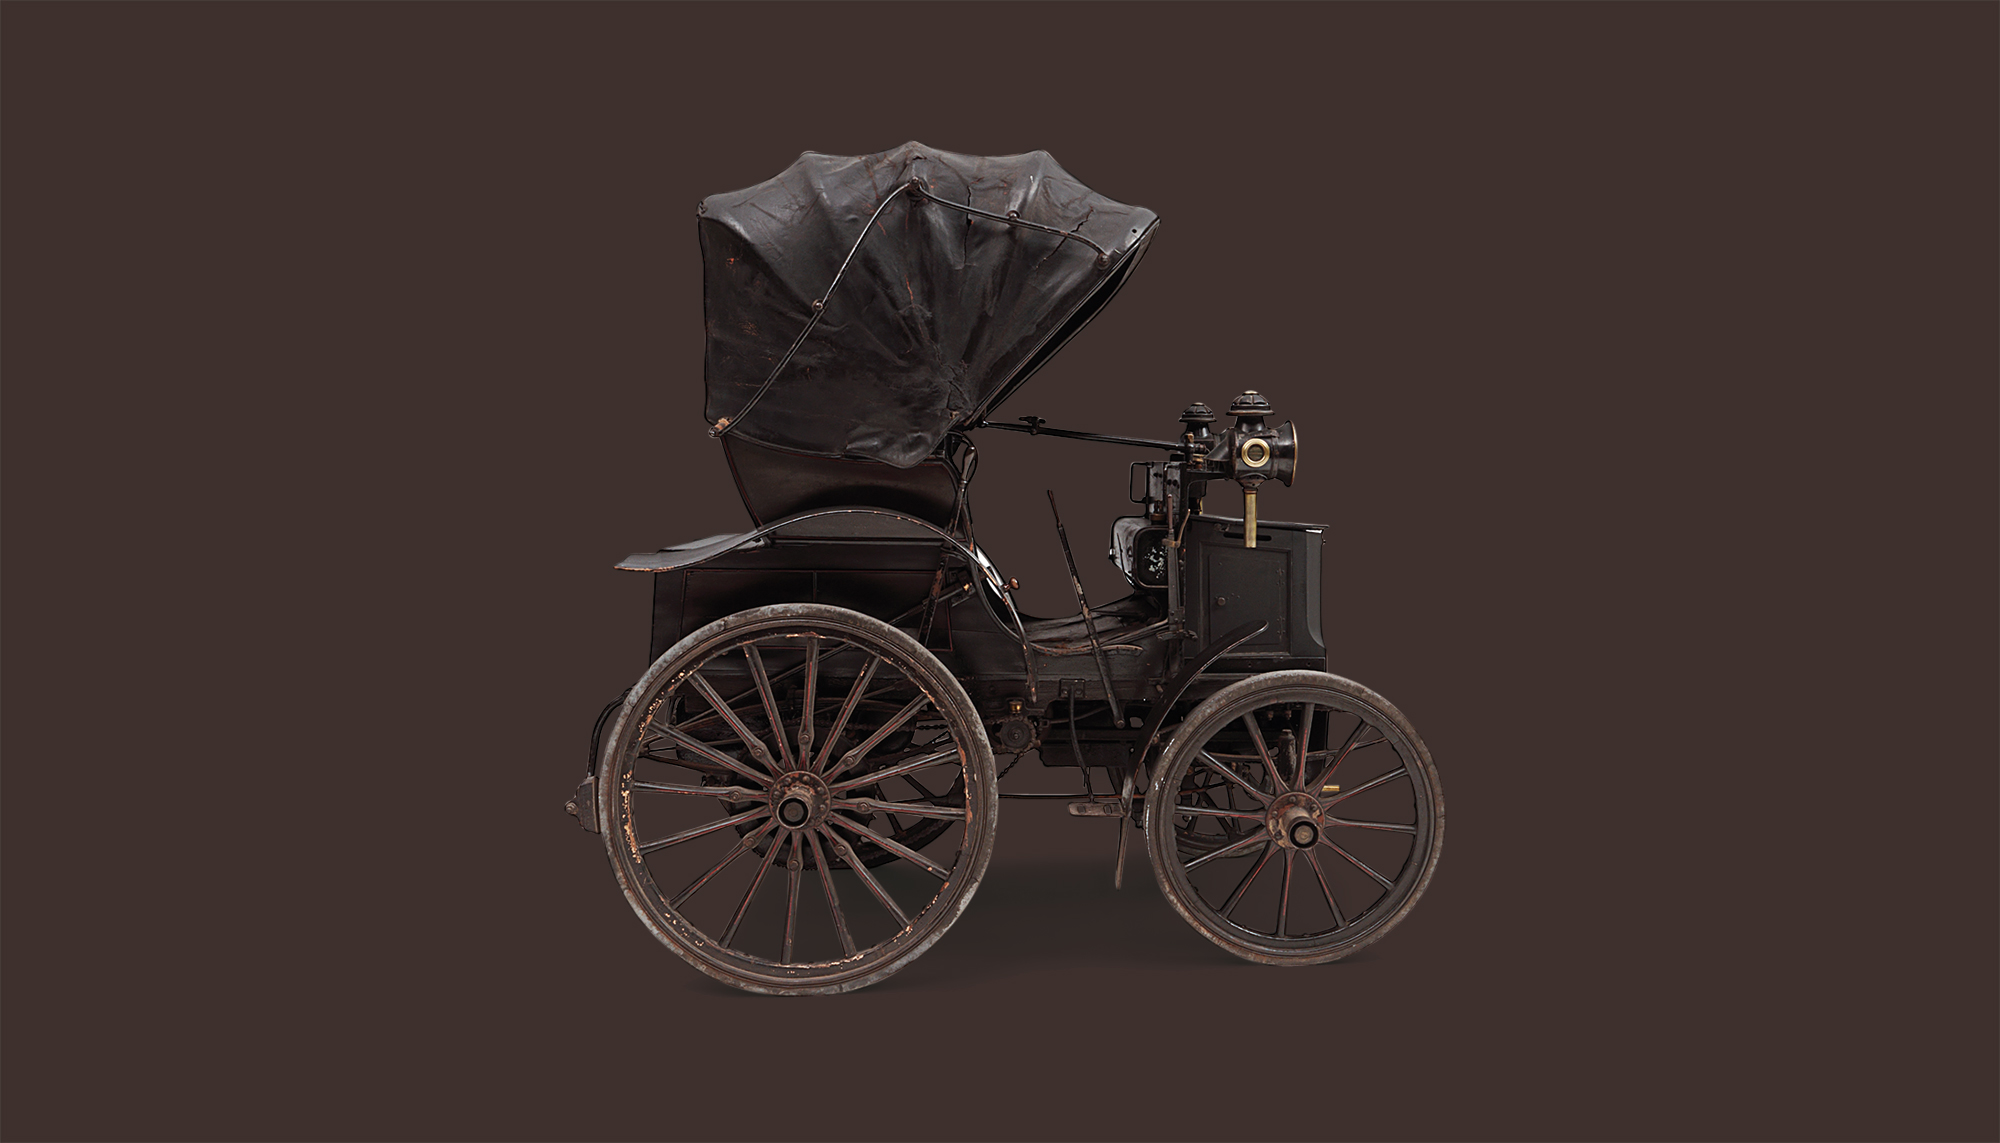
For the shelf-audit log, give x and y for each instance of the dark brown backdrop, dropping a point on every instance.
(1645, 363)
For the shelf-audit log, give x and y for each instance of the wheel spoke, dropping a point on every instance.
(1263, 751)
(1243, 886)
(1199, 812)
(702, 749)
(748, 843)
(732, 793)
(854, 694)
(1356, 862)
(878, 701)
(756, 746)
(811, 700)
(1305, 743)
(705, 830)
(1312, 859)
(1359, 726)
(885, 730)
(770, 701)
(861, 870)
(1346, 748)
(1224, 769)
(920, 788)
(1399, 772)
(893, 846)
(921, 762)
(832, 894)
(1392, 826)
(749, 895)
(792, 870)
(781, 676)
(907, 809)
(1285, 894)
(1252, 839)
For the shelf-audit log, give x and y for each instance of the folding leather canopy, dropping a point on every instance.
(971, 273)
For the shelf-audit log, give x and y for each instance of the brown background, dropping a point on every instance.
(1644, 359)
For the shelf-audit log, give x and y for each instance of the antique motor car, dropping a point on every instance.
(801, 794)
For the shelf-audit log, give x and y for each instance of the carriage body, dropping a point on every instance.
(849, 545)
(830, 687)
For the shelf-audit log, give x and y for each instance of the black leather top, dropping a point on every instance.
(938, 314)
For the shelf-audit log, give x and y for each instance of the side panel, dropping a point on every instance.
(880, 579)
(1276, 582)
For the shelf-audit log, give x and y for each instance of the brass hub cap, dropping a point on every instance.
(1295, 820)
(799, 800)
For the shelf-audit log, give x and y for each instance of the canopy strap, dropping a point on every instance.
(915, 187)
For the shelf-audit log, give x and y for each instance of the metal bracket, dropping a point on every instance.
(1124, 817)
(582, 805)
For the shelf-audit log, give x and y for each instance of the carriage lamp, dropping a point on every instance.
(1253, 452)
(1195, 419)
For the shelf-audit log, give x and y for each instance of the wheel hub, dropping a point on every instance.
(800, 799)
(1295, 820)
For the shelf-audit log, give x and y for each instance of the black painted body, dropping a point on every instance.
(885, 565)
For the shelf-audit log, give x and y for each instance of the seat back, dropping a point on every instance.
(776, 484)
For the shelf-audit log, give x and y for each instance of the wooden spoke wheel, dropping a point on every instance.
(798, 799)
(1295, 819)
